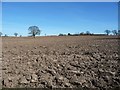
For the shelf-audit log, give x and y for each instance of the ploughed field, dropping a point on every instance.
(59, 62)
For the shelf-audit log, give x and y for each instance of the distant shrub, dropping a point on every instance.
(69, 34)
(82, 33)
(61, 34)
(75, 34)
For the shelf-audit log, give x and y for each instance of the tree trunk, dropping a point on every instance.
(34, 35)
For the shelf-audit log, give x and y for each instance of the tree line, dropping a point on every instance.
(107, 32)
(34, 30)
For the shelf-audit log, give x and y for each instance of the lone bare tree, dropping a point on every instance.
(34, 30)
(115, 32)
(88, 32)
(16, 34)
(6, 35)
(119, 32)
(107, 32)
(0, 34)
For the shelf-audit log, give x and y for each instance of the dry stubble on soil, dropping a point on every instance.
(56, 62)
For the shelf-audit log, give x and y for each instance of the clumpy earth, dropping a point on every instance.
(61, 62)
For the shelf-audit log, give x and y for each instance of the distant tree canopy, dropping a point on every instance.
(107, 32)
(0, 34)
(82, 33)
(76, 34)
(118, 32)
(6, 35)
(69, 34)
(34, 30)
(16, 34)
(115, 32)
(88, 32)
(62, 34)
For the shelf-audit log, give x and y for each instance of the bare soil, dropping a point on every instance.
(61, 62)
